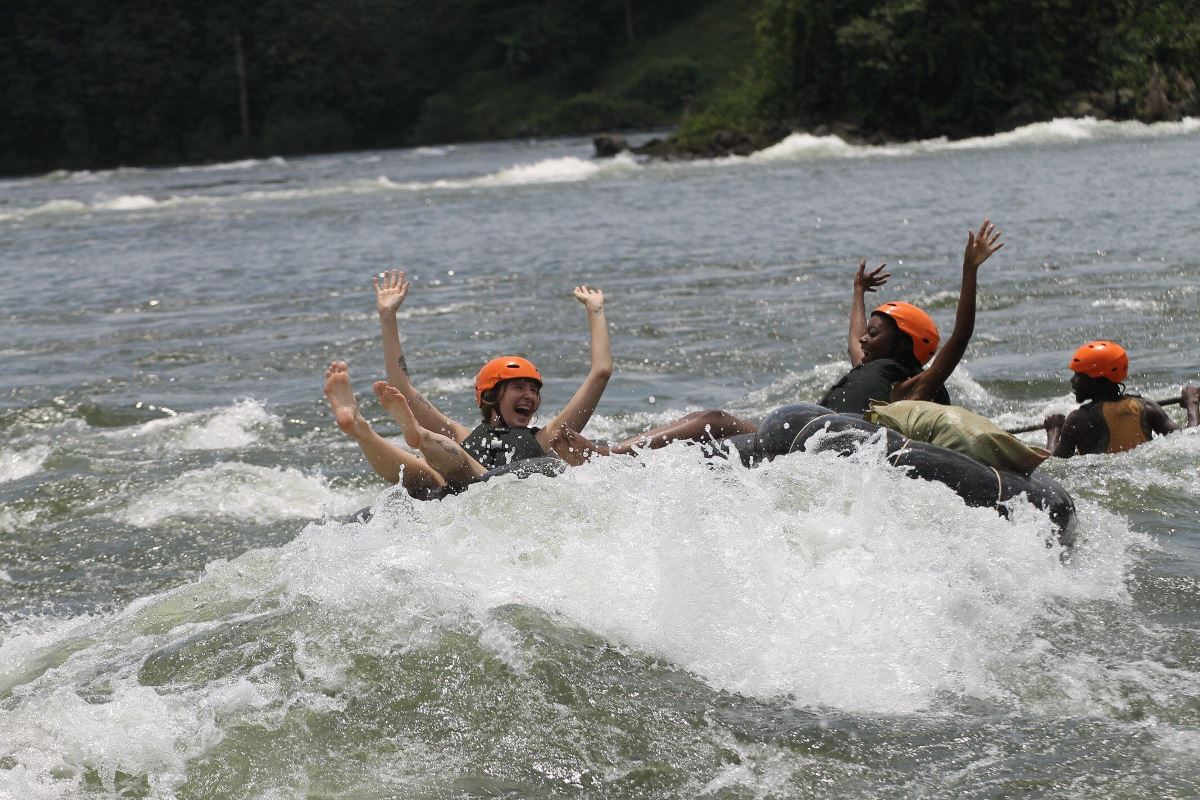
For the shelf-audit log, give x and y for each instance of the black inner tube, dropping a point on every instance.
(813, 428)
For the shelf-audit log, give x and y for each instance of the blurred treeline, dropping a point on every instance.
(92, 83)
(918, 68)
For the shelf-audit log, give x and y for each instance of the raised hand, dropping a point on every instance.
(870, 281)
(593, 299)
(390, 290)
(981, 245)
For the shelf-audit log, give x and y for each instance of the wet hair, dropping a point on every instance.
(489, 404)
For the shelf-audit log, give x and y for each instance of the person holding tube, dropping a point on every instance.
(1110, 420)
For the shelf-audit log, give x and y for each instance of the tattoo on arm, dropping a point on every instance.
(403, 363)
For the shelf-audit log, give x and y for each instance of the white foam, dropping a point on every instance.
(136, 730)
(235, 166)
(837, 582)
(570, 169)
(1154, 465)
(231, 428)
(128, 202)
(246, 492)
(807, 147)
(551, 170)
(787, 581)
(564, 169)
(448, 386)
(16, 464)
(1065, 130)
(58, 207)
(1127, 304)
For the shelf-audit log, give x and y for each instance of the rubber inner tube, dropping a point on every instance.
(813, 428)
(976, 483)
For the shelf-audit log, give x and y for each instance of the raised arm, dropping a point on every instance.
(981, 245)
(863, 282)
(579, 410)
(391, 288)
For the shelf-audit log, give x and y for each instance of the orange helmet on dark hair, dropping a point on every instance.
(504, 368)
(918, 325)
(1102, 359)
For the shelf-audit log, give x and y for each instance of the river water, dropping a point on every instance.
(183, 614)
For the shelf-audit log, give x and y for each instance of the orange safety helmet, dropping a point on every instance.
(919, 326)
(503, 369)
(1102, 359)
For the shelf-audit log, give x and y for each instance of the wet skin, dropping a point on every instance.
(880, 339)
(519, 401)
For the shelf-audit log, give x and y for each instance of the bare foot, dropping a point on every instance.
(394, 403)
(573, 447)
(341, 400)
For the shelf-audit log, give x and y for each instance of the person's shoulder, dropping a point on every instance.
(891, 368)
(1081, 415)
(1145, 401)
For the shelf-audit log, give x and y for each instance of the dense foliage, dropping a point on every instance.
(95, 83)
(929, 67)
(91, 83)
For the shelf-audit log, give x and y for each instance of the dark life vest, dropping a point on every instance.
(495, 447)
(871, 380)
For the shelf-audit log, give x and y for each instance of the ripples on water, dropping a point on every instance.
(184, 616)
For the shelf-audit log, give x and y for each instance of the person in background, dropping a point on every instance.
(1109, 421)
(888, 352)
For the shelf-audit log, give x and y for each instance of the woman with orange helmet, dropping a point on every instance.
(888, 353)
(507, 391)
(1109, 421)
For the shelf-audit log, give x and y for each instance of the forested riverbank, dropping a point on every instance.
(92, 85)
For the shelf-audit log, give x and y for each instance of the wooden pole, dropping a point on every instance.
(1173, 401)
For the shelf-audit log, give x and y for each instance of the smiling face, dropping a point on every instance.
(881, 338)
(518, 401)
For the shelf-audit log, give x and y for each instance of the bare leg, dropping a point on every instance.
(443, 453)
(699, 426)
(388, 461)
